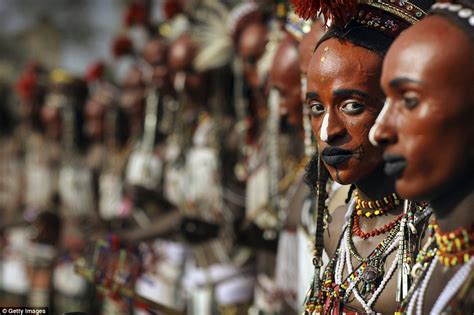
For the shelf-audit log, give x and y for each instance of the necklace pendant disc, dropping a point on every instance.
(370, 274)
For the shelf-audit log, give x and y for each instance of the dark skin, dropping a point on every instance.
(180, 60)
(95, 114)
(132, 99)
(155, 54)
(51, 118)
(430, 107)
(347, 89)
(284, 77)
(251, 45)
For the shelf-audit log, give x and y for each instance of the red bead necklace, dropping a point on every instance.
(356, 229)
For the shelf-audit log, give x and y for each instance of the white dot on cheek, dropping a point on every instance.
(323, 133)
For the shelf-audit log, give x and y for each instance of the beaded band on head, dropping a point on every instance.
(240, 16)
(372, 24)
(343, 11)
(460, 13)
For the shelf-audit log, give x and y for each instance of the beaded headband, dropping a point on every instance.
(405, 10)
(238, 14)
(389, 17)
(463, 14)
(386, 16)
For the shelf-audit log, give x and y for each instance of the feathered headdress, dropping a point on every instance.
(28, 84)
(95, 72)
(122, 45)
(137, 14)
(210, 33)
(343, 11)
(171, 8)
(240, 16)
(339, 11)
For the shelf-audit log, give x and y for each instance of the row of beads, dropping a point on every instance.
(455, 247)
(356, 229)
(463, 13)
(371, 208)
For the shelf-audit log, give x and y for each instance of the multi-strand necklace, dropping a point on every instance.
(451, 249)
(370, 208)
(367, 280)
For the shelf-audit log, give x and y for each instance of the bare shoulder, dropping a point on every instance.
(333, 233)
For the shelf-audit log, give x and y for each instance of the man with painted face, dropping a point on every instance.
(344, 98)
(430, 104)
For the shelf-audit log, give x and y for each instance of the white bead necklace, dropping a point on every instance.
(411, 305)
(388, 275)
(452, 287)
(424, 286)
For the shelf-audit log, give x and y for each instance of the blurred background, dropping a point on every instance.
(152, 157)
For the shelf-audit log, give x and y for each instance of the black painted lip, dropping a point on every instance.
(395, 164)
(334, 156)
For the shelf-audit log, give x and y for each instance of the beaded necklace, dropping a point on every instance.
(367, 280)
(370, 208)
(335, 291)
(455, 247)
(357, 230)
(449, 248)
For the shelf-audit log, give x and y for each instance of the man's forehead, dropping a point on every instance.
(336, 57)
(426, 47)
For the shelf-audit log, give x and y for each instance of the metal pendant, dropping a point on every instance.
(370, 274)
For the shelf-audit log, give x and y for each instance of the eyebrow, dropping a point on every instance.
(350, 92)
(311, 95)
(403, 80)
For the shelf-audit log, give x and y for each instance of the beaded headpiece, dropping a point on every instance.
(373, 24)
(461, 13)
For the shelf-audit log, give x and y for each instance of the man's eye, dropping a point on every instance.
(352, 108)
(316, 109)
(410, 102)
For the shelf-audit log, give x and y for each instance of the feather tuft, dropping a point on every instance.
(339, 11)
(122, 45)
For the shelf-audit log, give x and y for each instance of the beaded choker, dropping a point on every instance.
(370, 208)
(455, 247)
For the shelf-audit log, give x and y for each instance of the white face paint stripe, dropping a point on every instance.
(374, 128)
(323, 133)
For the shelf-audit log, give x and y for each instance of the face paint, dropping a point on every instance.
(324, 128)
(427, 131)
(350, 94)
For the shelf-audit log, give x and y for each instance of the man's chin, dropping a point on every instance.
(341, 176)
(410, 191)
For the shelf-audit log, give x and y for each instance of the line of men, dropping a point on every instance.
(194, 156)
(168, 177)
